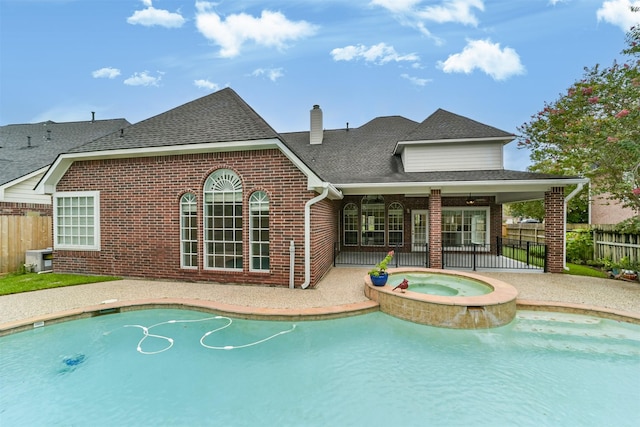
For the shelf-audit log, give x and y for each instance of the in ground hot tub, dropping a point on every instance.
(451, 299)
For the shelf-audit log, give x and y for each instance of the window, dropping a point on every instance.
(188, 231)
(223, 221)
(76, 220)
(396, 224)
(350, 223)
(372, 221)
(259, 231)
(461, 227)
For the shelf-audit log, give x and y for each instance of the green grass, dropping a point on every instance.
(521, 255)
(584, 270)
(15, 283)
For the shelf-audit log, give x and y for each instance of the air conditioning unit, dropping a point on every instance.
(40, 259)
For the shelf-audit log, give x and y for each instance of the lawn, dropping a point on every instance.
(15, 283)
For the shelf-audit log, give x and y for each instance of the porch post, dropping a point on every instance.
(554, 228)
(435, 229)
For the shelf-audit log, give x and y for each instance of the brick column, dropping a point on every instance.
(554, 229)
(435, 229)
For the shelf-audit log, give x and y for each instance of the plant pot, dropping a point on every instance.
(380, 279)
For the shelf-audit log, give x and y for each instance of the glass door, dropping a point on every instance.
(419, 230)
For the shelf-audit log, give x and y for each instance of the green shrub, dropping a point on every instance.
(579, 246)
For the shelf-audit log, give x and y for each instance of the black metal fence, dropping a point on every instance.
(503, 254)
(401, 258)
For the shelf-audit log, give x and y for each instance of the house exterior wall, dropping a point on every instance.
(22, 209)
(605, 211)
(22, 192)
(140, 215)
(452, 157)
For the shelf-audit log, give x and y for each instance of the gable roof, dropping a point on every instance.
(443, 125)
(48, 140)
(219, 117)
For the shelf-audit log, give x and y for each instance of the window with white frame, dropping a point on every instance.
(188, 231)
(223, 221)
(465, 226)
(350, 224)
(372, 221)
(76, 220)
(395, 217)
(259, 231)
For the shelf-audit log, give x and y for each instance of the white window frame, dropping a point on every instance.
(187, 229)
(96, 220)
(223, 238)
(258, 210)
(473, 233)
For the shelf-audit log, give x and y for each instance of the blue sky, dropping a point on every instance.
(493, 61)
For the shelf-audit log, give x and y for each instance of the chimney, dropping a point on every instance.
(93, 116)
(315, 136)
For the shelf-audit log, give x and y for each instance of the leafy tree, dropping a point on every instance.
(577, 211)
(594, 129)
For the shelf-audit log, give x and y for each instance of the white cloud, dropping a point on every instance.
(271, 29)
(106, 72)
(152, 16)
(416, 80)
(143, 79)
(498, 63)
(272, 74)
(413, 13)
(206, 84)
(618, 12)
(380, 53)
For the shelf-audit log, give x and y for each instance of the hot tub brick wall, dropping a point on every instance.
(140, 224)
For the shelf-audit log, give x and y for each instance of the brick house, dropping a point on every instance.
(208, 191)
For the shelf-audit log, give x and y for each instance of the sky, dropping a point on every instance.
(496, 62)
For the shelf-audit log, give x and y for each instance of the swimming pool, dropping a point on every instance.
(374, 369)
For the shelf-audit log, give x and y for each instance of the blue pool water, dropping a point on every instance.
(441, 284)
(139, 368)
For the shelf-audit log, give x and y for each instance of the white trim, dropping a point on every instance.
(18, 180)
(401, 144)
(96, 220)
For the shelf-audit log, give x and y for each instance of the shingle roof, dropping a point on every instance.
(219, 117)
(445, 125)
(347, 154)
(17, 159)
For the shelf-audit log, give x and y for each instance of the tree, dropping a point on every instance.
(594, 129)
(577, 211)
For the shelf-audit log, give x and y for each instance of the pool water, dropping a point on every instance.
(441, 284)
(138, 368)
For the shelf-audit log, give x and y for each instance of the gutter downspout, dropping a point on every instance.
(307, 233)
(564, 238)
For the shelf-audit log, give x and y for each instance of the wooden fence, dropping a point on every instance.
(612, 245)
(607, 243)
(19, 234)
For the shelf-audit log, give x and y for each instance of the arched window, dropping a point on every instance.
(188, 231)
(223, 221)
(395, 217)
(350, 224)
(259, 231)
(372, 221)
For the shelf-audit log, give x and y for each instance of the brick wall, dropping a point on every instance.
(435, 229)
(21, 209)
(140, 216)
(554, 229)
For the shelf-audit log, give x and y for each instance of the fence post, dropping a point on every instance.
(395, 251)
(528, 246)
(474, 256)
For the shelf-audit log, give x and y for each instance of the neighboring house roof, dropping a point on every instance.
(443, 125)
(219, 117)
(18, 158)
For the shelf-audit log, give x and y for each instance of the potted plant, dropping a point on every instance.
(378, 274)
